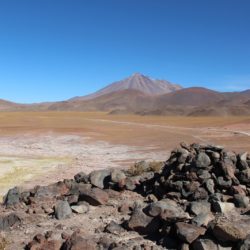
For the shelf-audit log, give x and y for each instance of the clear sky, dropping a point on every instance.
(56, 49)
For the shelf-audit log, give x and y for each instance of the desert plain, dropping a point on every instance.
(38, 148)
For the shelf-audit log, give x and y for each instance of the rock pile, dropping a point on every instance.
(199, 200)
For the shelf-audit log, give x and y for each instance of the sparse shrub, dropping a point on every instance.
(3, 243)
(143, 166)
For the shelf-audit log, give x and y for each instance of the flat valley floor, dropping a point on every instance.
(38, 148)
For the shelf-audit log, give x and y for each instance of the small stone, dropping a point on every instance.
(202, 161)
(142, 223)
(184, 246)
(241, 201)
(151, 198)
(200, 194)
(94, 196)
(12, 197)
(203, 174)
(114, 228)
(62, 210)
(47, 209)
(72, 199)
(170, 212)
(215, 156)
(232, 230)
(132, 182)
(244, 176)
(8, 221)
(240, 189)
(197, 207)
(210, 186)
(223, 207)
(117, 176)
(81, 177)
(245, 244)
(83, 208)
(204, 244)
(126, 207)
(3, 242)
(78, 242)
(187, 232)
(223, 183)
(100, 178)
(203, 219)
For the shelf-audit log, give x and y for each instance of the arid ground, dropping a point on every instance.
(42, 147)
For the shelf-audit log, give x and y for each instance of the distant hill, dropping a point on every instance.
(195, 96)
(7, 105)
(138, 82)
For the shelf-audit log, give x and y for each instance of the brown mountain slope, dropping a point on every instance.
(138, 82)
(190, 96)
(192, 101)
(129, 100)
(7, 105)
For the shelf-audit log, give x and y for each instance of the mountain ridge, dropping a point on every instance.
(137, 81)
(135, 95)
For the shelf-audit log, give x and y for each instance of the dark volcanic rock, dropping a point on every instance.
(204, 244)
(8, 221)
(114, 228)
(142, 223)
(100, 178)
(203, 219)
(117, 176)
(200, 207)
(81, 208)
(241, 200)
(78, 242)
(62, 210)
(40, 242)
(199, 200)
(81, 177)
(94, 196)
(13, 197)
(245, 244)
(187, 232)
(232, 230)
(202, 161)
(223, 207)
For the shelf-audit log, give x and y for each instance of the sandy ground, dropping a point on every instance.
(32, 159)
(40, 148)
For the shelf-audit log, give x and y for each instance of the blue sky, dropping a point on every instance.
(55, 49)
